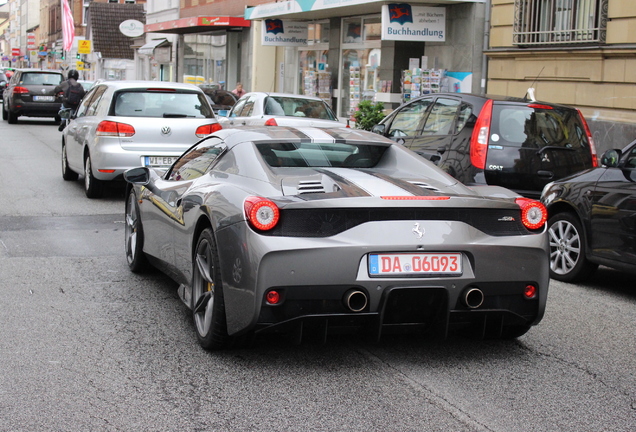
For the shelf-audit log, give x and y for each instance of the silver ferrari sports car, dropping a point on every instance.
(311, 231)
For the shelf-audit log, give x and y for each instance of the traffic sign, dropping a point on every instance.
(84, 46)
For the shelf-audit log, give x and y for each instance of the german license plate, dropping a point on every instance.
(160, 161)
(43, 98)
(409, 264)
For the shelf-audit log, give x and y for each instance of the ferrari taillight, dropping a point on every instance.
(20, 90)
(479, 138)
(590, 140)
(533, 213)
(205, 130)
(261, 213)
(114, 129)
(271, 122)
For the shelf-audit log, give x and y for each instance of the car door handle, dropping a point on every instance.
(545, 174)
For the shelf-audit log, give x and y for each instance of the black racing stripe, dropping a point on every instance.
(336, 135)
(303, 136)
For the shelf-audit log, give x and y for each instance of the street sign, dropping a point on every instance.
(15, 51)
(84, 46)
(80, 66)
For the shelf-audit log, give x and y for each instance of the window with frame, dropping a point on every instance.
(559, 22)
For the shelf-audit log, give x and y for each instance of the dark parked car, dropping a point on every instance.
(3, 83)
(511, 142)
(593, 218)
(219, 99)
(309, 231)
(31, 92)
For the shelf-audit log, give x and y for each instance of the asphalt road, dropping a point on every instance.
(85, 345)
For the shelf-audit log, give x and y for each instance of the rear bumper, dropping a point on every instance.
(313, 274)
(34, 109)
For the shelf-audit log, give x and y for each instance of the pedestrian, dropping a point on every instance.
(238, 91)
(72, 93)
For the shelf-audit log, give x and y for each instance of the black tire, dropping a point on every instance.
(208, 306)
(94, 188)
(12, 117)
(5, 115)
(67, 173)
(134, 236)
(567, 249)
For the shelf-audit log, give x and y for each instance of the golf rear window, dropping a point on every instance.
(523, 126)
(163, 104)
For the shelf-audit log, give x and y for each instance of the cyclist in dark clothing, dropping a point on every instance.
(72, 93)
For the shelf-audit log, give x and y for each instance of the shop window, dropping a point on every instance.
(372, 29)
(352, 30)
(318, 33)
(559, 22)
(205, 61)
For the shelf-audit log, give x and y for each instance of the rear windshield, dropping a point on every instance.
(39, 78)
(168, 104)
(297, 107)
(321, 154)
(523, 126)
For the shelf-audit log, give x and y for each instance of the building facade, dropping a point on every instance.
(576, 52)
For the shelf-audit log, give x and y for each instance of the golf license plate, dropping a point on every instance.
(43, 98)
(160, 161)
(413, 264)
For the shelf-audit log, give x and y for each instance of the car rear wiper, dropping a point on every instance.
(542, 149)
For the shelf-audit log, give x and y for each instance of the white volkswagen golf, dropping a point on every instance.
(125, 124)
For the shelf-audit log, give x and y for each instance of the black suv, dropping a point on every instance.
(496, 140)
(31, 92)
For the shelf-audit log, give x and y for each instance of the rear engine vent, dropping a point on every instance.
(310, 186)
(425, 186)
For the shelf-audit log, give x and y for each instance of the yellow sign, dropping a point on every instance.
(80, 66)
(84, 46)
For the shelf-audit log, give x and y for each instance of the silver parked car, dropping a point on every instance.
(311, 231)
(125, 124)
(280, 109)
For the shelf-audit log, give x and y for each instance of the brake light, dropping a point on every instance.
(414, 197)
(533, 213)
(479, 138)
(261, 213)
(589, 139)
(20, 90)
(271, 122)
(530, 292)
(208, 129)
(539, 106)
(114, 129)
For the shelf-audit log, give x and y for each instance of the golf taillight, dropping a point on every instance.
(589, 139)
(271, 122)
(533, 213)
(205, 130)
(479, 138)
(530, 291)
(261, 213)
(114, 129)
(272, 297)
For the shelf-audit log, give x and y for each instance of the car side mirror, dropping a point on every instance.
(379, 129)
(138, 176)
(611, 158)
(65, 113)
(223, 113)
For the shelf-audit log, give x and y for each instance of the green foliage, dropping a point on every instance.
(368, 114)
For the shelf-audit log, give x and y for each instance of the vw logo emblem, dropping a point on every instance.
(43, 91)
(165, 130)
(417, 231)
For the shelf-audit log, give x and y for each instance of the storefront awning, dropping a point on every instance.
(197, 25)
(149, 48)
(321, 9)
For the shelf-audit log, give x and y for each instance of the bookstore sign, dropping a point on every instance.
(277, 32)
(405, 22)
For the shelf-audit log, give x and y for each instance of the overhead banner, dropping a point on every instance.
(277, 32)
(405, 22)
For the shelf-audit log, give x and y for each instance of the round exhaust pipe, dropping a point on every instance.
(473, 298)
(355, 300)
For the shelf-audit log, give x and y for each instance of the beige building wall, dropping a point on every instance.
(600, 79)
